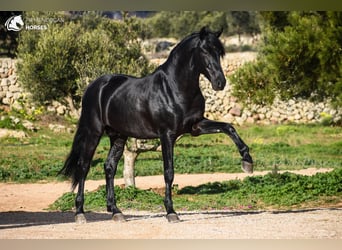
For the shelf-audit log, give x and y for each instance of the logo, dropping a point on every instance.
(14, 23)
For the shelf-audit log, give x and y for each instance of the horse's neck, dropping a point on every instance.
(184, 70)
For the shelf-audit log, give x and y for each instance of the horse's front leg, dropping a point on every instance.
(110, 167)
(168, 142)
(209, 127)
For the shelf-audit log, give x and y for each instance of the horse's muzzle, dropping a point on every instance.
(219, 84)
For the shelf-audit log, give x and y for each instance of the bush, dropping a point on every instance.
(59, 62)
(127, 198)
(302, 58)
(285, 190)
(252, 83)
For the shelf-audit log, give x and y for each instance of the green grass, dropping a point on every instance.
(286, 147)
(129, 198)
(278, 191)
(38, 157)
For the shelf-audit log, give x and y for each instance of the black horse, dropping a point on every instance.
(164, 104)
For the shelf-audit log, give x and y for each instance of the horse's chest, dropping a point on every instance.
(194, 112)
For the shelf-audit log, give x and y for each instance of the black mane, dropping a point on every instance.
(192, 41)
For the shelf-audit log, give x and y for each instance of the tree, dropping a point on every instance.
(240, 22)
(133, 148)
(278, 20)
(181, 23)
(302, 58)
(58, 63)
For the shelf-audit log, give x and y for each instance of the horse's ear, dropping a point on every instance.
(203, 33)
(218, 33)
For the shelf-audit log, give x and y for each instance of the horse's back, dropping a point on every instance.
(102, 88)
(92, 100)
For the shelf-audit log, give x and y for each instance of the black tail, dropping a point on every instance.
(73, 165)
(87, 137)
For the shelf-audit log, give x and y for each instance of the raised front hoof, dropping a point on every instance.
(247, 167)
(172, 218)
(80, 219)
(118, 217)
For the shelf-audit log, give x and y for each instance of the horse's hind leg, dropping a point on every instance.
(87, 151)
(209, 127)
(110, 167)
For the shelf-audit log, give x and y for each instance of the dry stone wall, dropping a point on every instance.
(10, 90)
(14, 96)
(223, 106)
(220, 105)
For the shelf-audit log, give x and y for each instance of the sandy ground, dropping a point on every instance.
(23, 215)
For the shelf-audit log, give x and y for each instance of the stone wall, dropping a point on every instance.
(222, 106)
(10, 90)
(225, 107)
(14, 96)
(219, 105)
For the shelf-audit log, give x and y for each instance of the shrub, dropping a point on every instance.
(253, 83)
(285, 190)
(59, 62)
(326, 119)
(302, 58)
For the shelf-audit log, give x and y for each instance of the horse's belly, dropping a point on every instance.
(133, 125)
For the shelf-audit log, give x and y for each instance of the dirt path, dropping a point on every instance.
(22, 215)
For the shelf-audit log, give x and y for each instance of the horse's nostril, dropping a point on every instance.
(221, 83)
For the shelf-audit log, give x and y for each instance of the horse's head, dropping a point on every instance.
(209, 52)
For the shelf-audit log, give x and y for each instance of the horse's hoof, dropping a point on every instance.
(119, 217)
(247, 167)
(80, 219)
(172, 218)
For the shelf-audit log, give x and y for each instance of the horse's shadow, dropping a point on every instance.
(19, 219)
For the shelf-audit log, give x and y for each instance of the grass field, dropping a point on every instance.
(286, 147)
